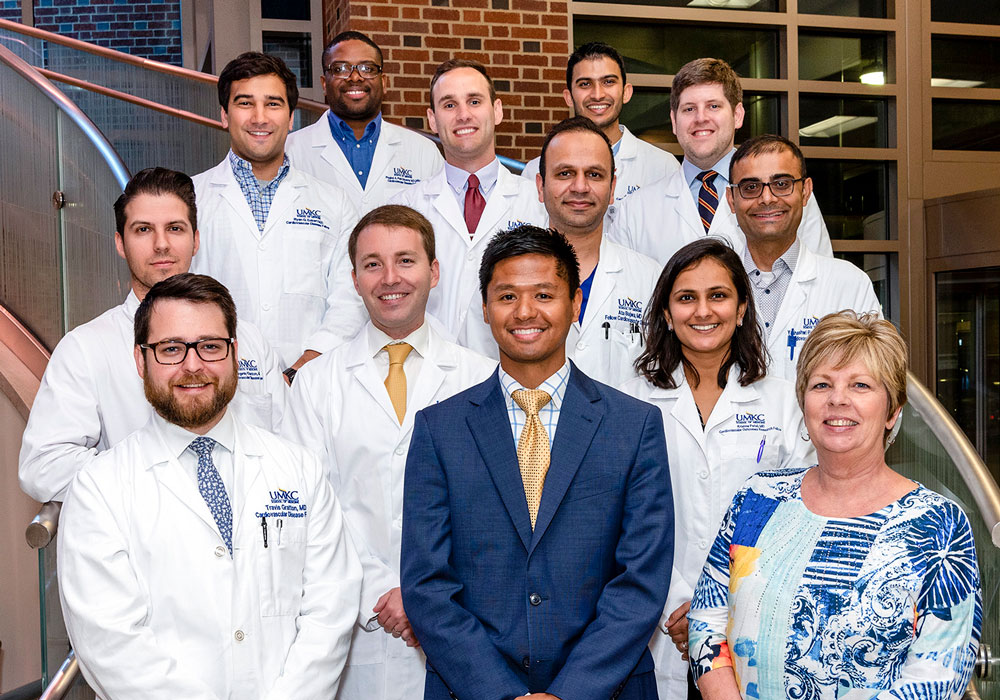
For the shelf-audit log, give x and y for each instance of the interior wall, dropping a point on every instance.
(20, 660)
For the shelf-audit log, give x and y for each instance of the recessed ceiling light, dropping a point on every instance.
(834, 126)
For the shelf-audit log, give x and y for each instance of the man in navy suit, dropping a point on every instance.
(529, 570)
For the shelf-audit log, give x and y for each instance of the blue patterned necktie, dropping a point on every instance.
(213, 490)
(708, 198)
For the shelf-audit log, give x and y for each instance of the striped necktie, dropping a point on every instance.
(708, 198)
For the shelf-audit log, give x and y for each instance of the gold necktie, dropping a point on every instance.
(395, 382)
(533, 447)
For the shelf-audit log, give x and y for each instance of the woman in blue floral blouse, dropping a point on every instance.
(846, 580)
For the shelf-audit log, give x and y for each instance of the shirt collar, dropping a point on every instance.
(418, 340)
(458, 178)
(342, 130)
(178, 439)
(131, 304)
(617, 144)
(788, 259)
(554, 386)
(243, 170)
(721, 166)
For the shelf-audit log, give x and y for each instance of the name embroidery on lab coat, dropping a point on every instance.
(284, 504)
(629, 311)
(308, 217)
(798, 336)
(249, 370)
(402, 176)
(752, 423)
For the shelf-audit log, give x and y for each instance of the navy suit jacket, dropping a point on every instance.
(568, 608)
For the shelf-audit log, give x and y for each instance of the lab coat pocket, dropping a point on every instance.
(280, 567)
(255, 409)
(303, 261)
(624, 348)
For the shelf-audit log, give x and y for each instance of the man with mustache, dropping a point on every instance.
(351, 145)
(203, 557)
(86, 402)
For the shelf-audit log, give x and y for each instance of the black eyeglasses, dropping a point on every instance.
(752, 189)
(343, 69)
(173, 352)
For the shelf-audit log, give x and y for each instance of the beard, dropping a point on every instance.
(197, 412)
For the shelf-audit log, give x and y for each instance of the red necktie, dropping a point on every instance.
(474, 205)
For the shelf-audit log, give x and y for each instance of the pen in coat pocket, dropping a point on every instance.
(760, 450)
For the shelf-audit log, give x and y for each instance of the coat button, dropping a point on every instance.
(239, 636)
(703, 474)
(581, 346)
(535, 599)
(220, 551)
(400, 450)
(526, 663)
(703, 544)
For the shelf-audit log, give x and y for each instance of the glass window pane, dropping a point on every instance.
(843, 58)
(971, 11)
(965, 62)
(965, 125)
(295, 49)
(854, 196)
(647, 115)
(285, 9)
(755, 5)
(883, 270)
(852, 122)
(843, 8)
(663, 48)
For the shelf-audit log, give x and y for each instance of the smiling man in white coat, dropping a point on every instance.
(576, 185)
(706, 109)
(596, 88)
(471, 199)
(355, 406)
(202, 557)
(351, 145)
(89, 397)
(793, 288)
(274, 235)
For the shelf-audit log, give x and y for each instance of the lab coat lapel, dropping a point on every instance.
(368, 376)
(490, 426)
(794, 302)
(289, 192)
(168, 471)
(447, 206)
(687, 212)
(685, 410)
(730, 400)
(609, 267)
(335, 157)
(579, 418)
(433, 371)
(385, 151)
(247, 468)
(232, 193)
(493, 217)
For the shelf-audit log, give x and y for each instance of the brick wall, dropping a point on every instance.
(150, 29)
(10, 9)
(523, 43)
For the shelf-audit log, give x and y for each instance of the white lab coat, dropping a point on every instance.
(819, 286)
(156, 608)
(456, 301)
(340, 409)
(751, 429)
(637, 164)
(623, 283)
(293, 280)
(662, 217)
(402, 159)
(91, 398)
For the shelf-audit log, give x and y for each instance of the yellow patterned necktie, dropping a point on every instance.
(395, 382)
(533, 447)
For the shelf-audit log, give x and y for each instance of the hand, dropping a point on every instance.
(392, 617)
(677, 628)
(304, 358)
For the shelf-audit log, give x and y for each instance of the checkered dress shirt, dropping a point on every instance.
(258, 195)
(769, 287)
(554, 386)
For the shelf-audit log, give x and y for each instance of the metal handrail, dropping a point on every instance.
(66, 105)
(43, 527)
(122, 57)
(63, 680)
(970, 465)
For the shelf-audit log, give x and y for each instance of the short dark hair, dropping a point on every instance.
(574, 124)
(453, 63)
(352, 35)
(589, 52)
(530, 240)
(663, 351)
(393, 215)
(766, 143)
(157, 181)
(250, 65)
(704, 71)
(187, 286)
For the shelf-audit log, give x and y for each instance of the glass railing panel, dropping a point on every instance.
(30, 255)
(918, 454)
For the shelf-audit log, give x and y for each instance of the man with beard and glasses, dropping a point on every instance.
(351, 145)
(596, 88)
(203, 557)
(89, 398)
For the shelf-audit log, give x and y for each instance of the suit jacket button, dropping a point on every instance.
(526, 662)
(535, 599)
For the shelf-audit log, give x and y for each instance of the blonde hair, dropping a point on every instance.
(844, 337)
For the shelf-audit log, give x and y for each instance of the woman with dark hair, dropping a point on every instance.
(704, 365)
